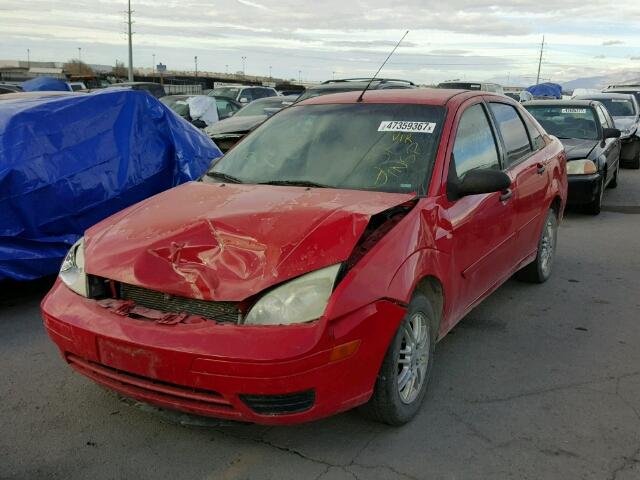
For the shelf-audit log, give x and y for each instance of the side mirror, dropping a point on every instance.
(611, 133)
(244, 100)
(476, 182)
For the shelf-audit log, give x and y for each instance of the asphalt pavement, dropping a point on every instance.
(538, 382)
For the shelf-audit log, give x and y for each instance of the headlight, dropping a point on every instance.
(72, 269)
(581, 167)
(301, 300)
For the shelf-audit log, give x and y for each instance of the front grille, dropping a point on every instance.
(218, 311)
(280, 404)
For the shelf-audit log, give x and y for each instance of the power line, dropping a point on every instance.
(540, 61)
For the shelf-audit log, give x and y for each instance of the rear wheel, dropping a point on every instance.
(540, 269)
(404, 375)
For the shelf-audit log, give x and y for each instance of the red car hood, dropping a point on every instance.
(228, 242)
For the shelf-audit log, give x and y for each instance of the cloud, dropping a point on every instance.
(252, 4)
(634, 58)
(608, 43)
(599, 56)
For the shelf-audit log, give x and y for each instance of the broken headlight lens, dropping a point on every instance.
(72, 269)
(300, 300)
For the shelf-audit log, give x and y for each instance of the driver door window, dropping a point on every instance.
(475, 145)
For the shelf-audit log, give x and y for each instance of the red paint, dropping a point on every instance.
(231, 242)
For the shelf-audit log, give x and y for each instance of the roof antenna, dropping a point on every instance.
(383, 64)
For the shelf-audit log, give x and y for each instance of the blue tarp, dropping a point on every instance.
(546, 90)
(67, 162)
(45, 84)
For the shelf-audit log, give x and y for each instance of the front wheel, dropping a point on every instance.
(404, 375)
(540, 269)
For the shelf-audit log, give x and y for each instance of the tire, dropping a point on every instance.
(614, 181)
(594, 207)
(540, 269)
(389, 403)
(635, 163)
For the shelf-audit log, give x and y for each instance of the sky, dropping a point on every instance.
(317, 40)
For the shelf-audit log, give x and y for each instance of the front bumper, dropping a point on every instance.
(630, 149)
(224, 370)
(583, 188)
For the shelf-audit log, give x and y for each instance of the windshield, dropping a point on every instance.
(618, 107)
(566, 121)
(383, 147)
(258, 107)
(229, 92)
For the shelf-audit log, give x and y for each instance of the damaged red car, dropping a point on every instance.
(314, 267)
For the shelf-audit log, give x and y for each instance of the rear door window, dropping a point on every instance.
(475, 145)
(514, 133)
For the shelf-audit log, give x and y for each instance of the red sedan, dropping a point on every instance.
(316, 265)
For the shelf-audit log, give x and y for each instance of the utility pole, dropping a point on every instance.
(243, 66)
(226, 69)
(540, 61)
(299, 76)
(28, 58)
(129, 12)
(153, 65)
(270, 71)
(195, 59)
(79, 59)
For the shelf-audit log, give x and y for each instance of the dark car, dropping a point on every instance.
(242, 93)
(8, 88)
(154, 89)
(591, 143)
(354, 84)
(178, 103)
(625, 111)
(227, 133)
(628, 89)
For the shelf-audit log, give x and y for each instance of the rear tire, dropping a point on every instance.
(404, 375)
(540, 269)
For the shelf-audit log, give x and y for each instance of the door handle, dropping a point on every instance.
(541, 168)
(506, 195)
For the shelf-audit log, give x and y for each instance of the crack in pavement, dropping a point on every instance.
(628, 461)
(550, 389)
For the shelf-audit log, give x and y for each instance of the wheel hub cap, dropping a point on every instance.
(413, 359)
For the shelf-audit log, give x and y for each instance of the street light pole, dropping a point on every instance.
(270, 71)
(195, 59)
(153, 65)
(130, 41)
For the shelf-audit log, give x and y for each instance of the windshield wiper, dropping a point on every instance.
(295, 183)
(223, 176)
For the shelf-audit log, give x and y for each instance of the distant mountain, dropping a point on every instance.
(596, 81)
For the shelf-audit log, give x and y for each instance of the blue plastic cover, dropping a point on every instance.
(67, 162)
(46, 84)
(546, 90)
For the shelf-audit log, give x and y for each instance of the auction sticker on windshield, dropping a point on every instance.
(409, 127)
(574, 110)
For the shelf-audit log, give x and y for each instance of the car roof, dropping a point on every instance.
(594, 96)
(561, 103)
(424, 96)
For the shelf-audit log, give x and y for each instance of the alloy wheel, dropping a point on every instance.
(413, 358)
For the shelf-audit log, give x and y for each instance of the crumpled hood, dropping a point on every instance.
(577, 148)
(235, 124)
(229, 241)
